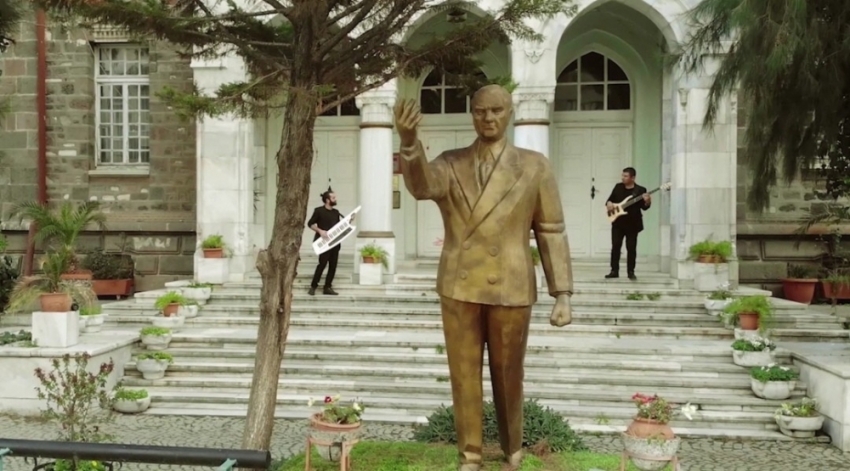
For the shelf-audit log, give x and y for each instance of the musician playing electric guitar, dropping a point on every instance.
(323, 219)
(629, 225)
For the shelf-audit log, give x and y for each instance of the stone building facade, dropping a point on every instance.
(594, 97)
(109, 139)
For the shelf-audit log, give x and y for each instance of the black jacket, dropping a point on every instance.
(633, 220)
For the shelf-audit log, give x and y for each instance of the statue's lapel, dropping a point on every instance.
(463, 166)
(503, 178)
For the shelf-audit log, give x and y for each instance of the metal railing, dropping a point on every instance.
(108, 453)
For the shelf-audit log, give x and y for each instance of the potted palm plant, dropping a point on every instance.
(213, 246)
(53, 293)
(61, 227)
(800, 284)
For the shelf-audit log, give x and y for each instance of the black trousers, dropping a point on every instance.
(331, 257)
(618, 233)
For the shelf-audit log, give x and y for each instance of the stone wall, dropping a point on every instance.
(766, 241)
(152, 213)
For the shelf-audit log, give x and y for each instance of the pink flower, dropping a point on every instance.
(328, 399)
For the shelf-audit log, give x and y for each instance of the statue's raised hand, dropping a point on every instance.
(407, 118)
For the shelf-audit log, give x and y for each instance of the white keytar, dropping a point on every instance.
(336, 234)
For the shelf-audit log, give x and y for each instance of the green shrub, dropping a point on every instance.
(541, 425)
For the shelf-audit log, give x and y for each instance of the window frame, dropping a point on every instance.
(125, 81)
(442, 87)
(579, 83)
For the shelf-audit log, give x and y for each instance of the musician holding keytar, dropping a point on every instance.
(627, 220)
(323, 219)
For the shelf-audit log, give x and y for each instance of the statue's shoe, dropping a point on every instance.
(470, 467)
(516, 459)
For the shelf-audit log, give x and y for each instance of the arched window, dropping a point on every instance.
(438, 97)
(349, 108)
(593, 82)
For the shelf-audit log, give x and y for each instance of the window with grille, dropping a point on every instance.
(123, 105)
(438, 97)
(593, 82)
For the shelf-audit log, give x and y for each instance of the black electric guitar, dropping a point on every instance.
(619, 209)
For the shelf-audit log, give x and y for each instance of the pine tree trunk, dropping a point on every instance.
(278, 263)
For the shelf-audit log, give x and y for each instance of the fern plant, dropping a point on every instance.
(62, 226)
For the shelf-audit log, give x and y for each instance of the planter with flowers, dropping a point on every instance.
(155, 338)
(198, 292)
(750, 313)
(649, 441)
(710, 264)
(754, 351)
(131, 401)
(801, 420)
(153, 365)
(775, 382)
(718, 300)
(374, 260)
(91, 318)
(335, 430)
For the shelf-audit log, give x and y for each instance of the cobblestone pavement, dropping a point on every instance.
(696, 455)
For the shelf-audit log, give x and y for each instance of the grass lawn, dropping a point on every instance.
(411, 456)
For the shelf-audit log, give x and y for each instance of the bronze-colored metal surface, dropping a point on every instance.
(489, 194)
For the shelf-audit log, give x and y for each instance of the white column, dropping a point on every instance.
(224, 154)
(703, 197)
(374, 223)
(531, 118)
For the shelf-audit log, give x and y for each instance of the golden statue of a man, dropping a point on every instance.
(490, 195)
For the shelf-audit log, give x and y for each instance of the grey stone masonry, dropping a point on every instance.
(152, 213)
(766, 241)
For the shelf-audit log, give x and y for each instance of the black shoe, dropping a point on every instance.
(612, 275)
(328, 290)
(632, 277)
(312, 291)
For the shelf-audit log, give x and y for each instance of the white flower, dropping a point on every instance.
(356, 407)
(310, 402)
(689, 410)
(337, 397)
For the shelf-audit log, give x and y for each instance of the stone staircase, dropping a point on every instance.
(385, 345)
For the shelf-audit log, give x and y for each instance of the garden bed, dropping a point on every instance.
(412, 456)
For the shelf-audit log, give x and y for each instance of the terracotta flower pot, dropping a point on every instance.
(76, 275)
(369, 259)
(55, 302)
(118, 288)
(748, 320)
(799, 290)
(709, 259)
(214, 253)
(836, 290)
(171, 310)
(648, 428)
(330, 439)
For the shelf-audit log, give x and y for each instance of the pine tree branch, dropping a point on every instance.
(365, 8)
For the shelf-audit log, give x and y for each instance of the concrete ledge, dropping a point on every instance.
(18, 364)
(825, 368)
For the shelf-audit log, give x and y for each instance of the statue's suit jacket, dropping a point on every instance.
(486, 257)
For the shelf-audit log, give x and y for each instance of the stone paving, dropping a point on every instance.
(696, 454)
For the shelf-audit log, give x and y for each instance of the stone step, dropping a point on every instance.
(412, 394)
(580, 289)
(404, 342)
(435, 355)
(298, 413)
(559, 376)
(538, 327)
(708, 404)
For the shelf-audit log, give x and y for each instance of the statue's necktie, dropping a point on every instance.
(485, 167)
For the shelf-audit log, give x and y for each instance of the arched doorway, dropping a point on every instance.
(447, 124)
(591, 152)
(607, 116)
(336, 146)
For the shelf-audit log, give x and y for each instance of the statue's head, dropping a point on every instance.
(491, 112)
